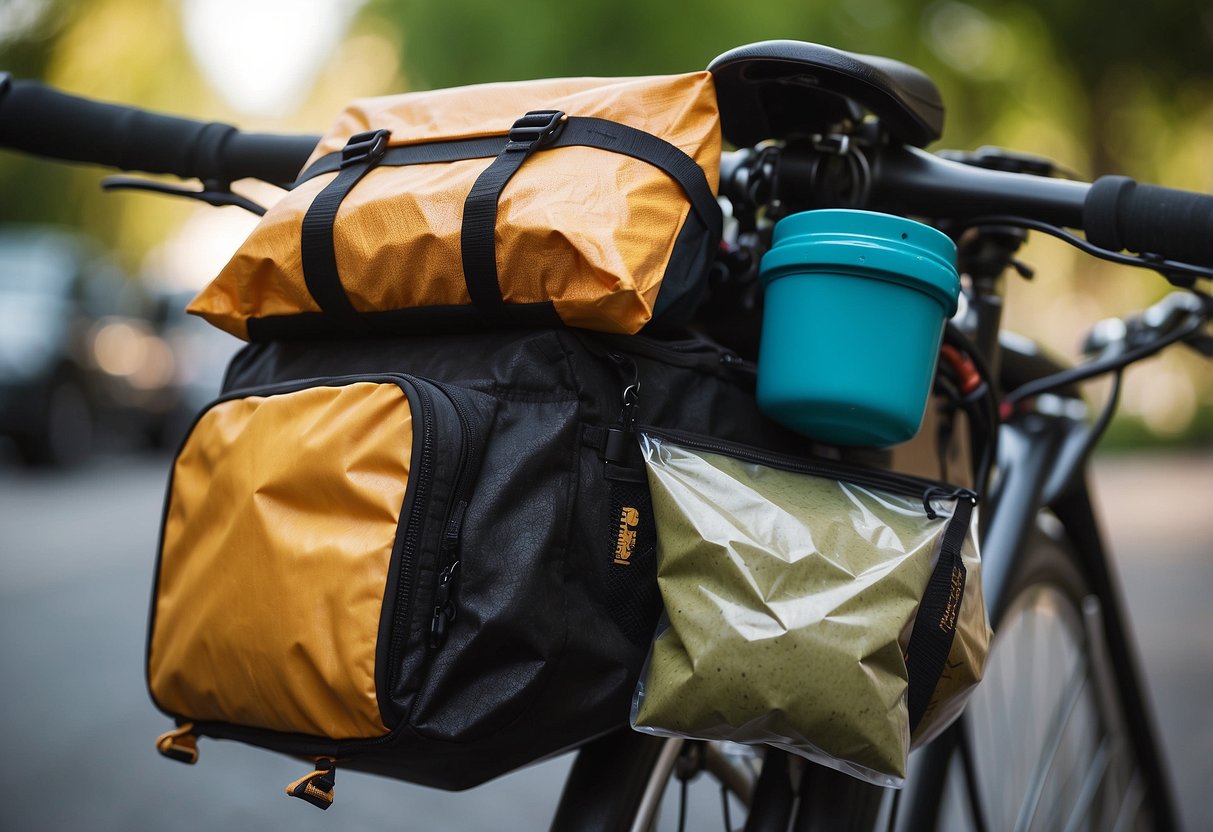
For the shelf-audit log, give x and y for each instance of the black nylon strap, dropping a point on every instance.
(415, 154)
(318, 253)
(477, 241)
(620, 138)
(935, 623)
(578, 131)
(480, 208)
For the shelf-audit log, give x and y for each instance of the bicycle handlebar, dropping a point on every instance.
(911, 181)
(40, 120)
(1115, 212)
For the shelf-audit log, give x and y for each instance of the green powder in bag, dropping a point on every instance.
(789, 601)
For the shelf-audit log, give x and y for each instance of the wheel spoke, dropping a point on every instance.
(976, 811)
(1094, 779)
(684, 784)
(646, 814)
(1130, 805)
(1075, 686)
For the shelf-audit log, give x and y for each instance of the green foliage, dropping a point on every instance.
(469, 41)
(1129, 433)
(1102, 88)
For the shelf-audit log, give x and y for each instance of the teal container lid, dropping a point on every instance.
(875, 245)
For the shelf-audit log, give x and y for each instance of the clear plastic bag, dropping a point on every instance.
(791, 598)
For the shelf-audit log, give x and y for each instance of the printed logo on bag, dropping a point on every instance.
(625, 543)
(948, 621)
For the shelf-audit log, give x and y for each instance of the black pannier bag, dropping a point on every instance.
(432, 557)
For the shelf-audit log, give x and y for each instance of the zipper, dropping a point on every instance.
(445, 608)
(696, 349)
(738, 365)
(412, 533)
(694, 353)
(906, 484)
(471, 451)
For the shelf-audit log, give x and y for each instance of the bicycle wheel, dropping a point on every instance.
(1043, 740)
(631, 781)
(1044, 744)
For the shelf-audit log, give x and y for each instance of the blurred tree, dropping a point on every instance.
(26, 51)
(1125, 88)
(130, 51)
(1132, 55)
(982, 53)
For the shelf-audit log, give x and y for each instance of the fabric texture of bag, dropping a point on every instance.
(585, 202)
(431, 558)
(829, 610)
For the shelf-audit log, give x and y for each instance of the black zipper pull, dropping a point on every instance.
(454, 527)
(316, 788)
(631, 389)
(619, 437)
(736, 364)
(444, 608)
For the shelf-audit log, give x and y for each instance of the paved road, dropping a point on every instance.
(76, 728)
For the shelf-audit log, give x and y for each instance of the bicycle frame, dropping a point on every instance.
(1037, 472)
(1042, 467)
(1042, 456)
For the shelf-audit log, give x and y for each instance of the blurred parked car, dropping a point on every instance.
(77, 351)
(200, 353)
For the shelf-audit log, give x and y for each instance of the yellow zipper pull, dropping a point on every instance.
(180, 745)
(316, 788)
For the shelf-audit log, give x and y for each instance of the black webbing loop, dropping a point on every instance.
(935, 623)
(454, 150)
(361, 153)
(536, 129)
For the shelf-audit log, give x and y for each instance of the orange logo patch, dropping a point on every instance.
(625, 542)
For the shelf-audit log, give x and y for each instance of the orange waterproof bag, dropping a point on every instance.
(582, 202)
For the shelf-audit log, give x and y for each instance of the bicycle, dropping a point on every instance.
(823, 128)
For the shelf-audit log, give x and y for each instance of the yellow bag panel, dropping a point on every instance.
(277, 543)
(588, 229)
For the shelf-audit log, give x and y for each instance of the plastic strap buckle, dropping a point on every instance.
(367, 148)
(536, 129)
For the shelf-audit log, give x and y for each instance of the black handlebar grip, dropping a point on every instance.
(1121, 214)
(45, 122)
(271, 157)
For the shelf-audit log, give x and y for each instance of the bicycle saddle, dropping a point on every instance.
(777, 88)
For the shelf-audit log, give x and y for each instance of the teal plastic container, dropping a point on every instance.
(855, 306)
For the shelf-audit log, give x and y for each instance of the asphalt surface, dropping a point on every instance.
(77, 729)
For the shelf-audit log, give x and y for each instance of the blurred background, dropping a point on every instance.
(106, 366)
(1125, 92)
